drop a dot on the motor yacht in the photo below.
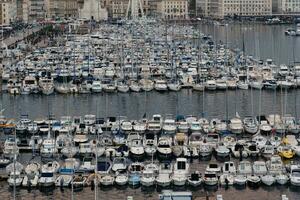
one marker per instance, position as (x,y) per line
(195,179)
(180,172)
(250,125)
(236,125)
(150,143)
(164,150)
(15,179)
(244,168)
(164,178)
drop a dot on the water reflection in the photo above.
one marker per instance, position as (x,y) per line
(135,105)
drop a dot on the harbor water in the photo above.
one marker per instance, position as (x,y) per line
(135,105)
(260,41)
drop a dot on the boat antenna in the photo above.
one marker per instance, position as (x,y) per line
(259,106)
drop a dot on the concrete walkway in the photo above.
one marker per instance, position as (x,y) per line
(19,36)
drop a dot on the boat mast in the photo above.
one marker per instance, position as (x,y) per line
(295,87)
(256,56)
(131,50)
(226,67)
(97,142)
(200,74)
(48,136)
(89,43)
(122,53)
(72,188)
(15,158)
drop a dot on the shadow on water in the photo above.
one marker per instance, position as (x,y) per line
(148,190)
(195,189)
(11,189)
(134,186)
(268,188)
(281,187)
(78,189)
(240,187)
(205,158)
(179,188)
(48,191)
(253,187)
(121,187)
(105,188)
(294,189)
(212,188)
(222,159)
(159,188)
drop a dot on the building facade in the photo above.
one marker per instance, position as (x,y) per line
(19,10)
(223,8)
(118,8)
(62,8)
(275,6)
(152,7)
(289,6)
(36,10)
(92,9)
(25,11)
(201,7)
(173,9)
(8,11)
(71,8)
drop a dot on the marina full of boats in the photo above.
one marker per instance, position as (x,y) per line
(293,32)
(136,57)
(89,151)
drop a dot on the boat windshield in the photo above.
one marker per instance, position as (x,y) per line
(166,166)
(103,166)
(210,175)
(29,82)
(212,137)
(76,121)
(163,146)
(150,136)
(156,118)
(226,167)
(213,166)
(296,174)
(269,148)
(181,165)
(47,174)
(85,145)
(195,138)
(136,168)
(82,126)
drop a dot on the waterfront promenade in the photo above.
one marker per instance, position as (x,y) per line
(19,36)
